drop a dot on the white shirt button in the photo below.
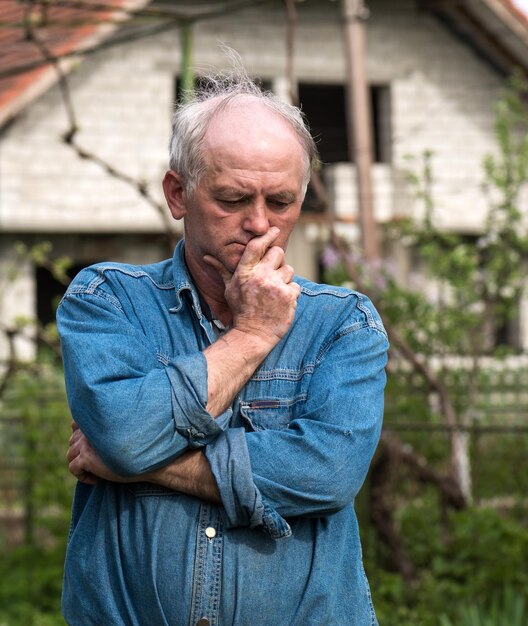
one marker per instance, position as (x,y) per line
(210,532)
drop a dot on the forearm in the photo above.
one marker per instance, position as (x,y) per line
(231,361)
(190,474)
(262,300)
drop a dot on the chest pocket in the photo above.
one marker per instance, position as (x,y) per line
(268,414)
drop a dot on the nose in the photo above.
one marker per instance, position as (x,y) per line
(256,220)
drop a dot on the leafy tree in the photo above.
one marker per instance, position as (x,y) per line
(441,330)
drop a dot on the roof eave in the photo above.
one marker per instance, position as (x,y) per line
(48,75)
(494,28)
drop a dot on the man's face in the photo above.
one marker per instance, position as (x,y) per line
(253,181)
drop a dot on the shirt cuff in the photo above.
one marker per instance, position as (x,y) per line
(188,379)
(243,503)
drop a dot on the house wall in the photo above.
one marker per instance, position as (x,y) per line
(441,99)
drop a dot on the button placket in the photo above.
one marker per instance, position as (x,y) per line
(207,568)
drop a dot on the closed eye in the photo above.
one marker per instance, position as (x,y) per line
(233,202)
(279,205)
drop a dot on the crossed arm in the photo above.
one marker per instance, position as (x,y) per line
(262,300)
(314,467)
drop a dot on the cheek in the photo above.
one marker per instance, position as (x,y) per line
(286,224)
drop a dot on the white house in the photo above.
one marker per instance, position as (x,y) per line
(435,69)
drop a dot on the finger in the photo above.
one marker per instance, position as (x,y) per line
(74,426)
(75,436)
(286,272)
(295,289)
(274,257)
(75,468)
(72,453)
(85,477)
(219,267)
(257,248)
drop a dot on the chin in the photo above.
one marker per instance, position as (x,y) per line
(233,264)
(232,259)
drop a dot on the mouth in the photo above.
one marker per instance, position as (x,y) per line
(238,245)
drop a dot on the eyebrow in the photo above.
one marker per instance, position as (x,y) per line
(228,189)
(281,196)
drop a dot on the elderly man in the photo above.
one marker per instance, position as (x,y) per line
(226,412)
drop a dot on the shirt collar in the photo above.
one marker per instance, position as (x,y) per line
(182,279)
(183,283)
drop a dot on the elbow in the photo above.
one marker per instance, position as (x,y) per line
(128,455)
(339,496)
(326,493)
(342,485)
(123,458)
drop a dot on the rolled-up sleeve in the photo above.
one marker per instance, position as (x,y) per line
(138,410)
(317,465)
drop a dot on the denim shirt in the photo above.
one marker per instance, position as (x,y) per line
(289,457)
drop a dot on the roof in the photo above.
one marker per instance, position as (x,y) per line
(62,27)
(496,29)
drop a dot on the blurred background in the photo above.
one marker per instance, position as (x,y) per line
(420,111)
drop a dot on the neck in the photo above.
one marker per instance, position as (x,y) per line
(211,287)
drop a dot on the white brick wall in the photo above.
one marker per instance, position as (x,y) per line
(441,93)
(441,100)
(123,110)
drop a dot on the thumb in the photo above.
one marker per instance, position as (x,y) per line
(219,267)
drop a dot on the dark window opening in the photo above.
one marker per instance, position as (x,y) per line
(50,291)
(325,108)
(381,122)
(507,334)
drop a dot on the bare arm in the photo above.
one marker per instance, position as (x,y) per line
(262,300)
(190,473)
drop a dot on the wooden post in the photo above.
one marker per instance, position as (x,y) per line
(186,60)
(359,121)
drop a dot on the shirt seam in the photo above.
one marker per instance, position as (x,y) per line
(137,274)
(77,291)
(358,326)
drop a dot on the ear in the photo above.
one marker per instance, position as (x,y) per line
(175,194)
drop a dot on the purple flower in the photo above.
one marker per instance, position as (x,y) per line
(330,258)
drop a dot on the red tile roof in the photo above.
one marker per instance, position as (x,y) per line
(62,26)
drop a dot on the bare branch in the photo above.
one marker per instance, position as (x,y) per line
(291,14)
(70,135)
(139,186)
(50,58)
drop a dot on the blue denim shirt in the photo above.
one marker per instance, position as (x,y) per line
(289,457)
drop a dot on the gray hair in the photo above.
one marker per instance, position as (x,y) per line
(192,118)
